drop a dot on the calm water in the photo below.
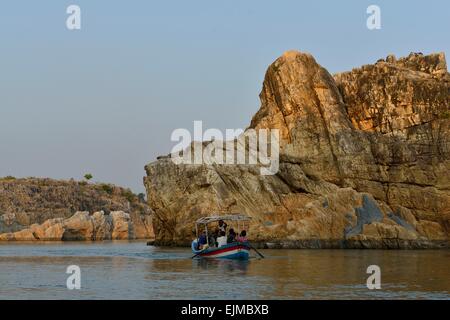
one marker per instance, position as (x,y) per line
(132,270)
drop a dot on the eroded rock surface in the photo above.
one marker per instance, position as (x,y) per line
(46,209)
(82,226)
(364,161)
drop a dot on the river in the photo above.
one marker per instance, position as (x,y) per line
(132,270)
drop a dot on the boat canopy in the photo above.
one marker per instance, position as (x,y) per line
(232,217)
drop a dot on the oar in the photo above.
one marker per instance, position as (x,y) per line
(260,254)
(197,254)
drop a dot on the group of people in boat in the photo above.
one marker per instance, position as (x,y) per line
(220,238)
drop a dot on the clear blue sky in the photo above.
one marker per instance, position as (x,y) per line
(106,98)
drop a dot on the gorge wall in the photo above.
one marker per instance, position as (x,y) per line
(364,161)
(45,209)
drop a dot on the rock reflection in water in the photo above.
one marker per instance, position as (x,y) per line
(132,270)
(221,265)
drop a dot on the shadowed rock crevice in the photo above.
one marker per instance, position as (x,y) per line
(368,213)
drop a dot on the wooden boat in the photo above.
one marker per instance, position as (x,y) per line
(235,250)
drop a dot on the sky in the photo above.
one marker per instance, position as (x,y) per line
(105,99)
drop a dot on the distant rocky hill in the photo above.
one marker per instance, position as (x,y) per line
(364,161)
(46,209)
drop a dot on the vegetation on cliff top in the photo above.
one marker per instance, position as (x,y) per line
(48,198)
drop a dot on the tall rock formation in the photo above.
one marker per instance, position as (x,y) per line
(364,161)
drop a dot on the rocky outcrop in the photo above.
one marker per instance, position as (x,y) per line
(82,226)
(46,209)
(364,161)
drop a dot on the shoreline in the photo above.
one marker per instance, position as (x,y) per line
(383,244)
(143,240)
(389,244)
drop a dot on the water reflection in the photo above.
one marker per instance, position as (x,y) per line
(221,265)
(134,271)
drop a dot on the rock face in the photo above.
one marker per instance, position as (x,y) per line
(45,209)
(364,161)
(81,226)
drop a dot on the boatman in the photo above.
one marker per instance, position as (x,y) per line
(222,226)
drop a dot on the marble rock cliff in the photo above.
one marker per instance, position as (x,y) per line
(364,161)
(45,209)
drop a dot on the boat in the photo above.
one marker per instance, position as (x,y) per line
(235,250)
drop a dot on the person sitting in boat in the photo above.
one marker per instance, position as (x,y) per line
(231,236)
(222,239)
(242,237)
(202,241)
(213,238)
(222,226)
